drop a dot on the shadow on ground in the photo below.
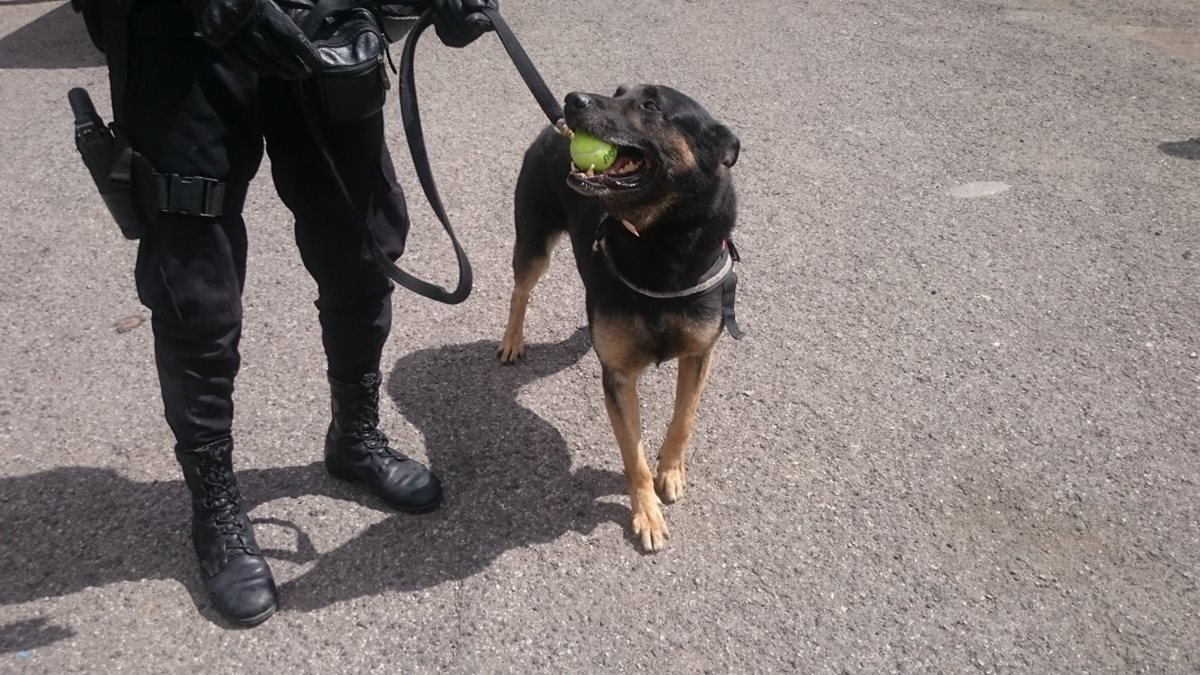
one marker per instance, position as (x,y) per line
(1189,149)
(57,39)
(507,472)
(30,634)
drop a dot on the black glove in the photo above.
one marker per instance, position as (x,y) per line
(459,22)
(259,34)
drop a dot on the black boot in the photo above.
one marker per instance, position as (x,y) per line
(355,449)
(236,575)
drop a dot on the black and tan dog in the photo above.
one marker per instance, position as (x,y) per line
(651,241)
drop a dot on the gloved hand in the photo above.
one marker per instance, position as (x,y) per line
(259,34)
(459,22)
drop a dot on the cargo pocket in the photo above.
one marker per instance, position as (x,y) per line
(190,281)
(389,224)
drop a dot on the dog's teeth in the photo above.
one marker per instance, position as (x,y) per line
(591,172)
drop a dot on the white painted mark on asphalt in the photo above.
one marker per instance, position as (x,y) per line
(985,188)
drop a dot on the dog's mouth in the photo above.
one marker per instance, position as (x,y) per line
(629,171)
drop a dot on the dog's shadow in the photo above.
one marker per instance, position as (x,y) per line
(507,473)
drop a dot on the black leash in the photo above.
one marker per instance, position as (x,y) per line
(411,118)
(533,80)
(416,144)
(410,115)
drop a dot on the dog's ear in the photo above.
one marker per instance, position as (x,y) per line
(726,143)
(622,90)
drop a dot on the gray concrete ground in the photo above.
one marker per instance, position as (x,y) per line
(961,435)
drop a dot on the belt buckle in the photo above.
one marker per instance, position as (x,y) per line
(191,195)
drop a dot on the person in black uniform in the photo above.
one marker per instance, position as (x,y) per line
(205,82)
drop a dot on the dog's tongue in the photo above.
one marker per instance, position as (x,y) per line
(618,166)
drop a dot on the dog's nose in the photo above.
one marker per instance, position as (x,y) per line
(577,101)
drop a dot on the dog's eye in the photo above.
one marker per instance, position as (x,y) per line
(651,106)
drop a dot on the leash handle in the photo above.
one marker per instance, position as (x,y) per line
(529,73)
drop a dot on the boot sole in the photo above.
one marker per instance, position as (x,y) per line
(348,476)
(254,620)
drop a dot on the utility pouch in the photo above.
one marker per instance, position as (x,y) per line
(111,162)
(351,83)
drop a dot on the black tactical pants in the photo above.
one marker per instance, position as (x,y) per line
(193,113)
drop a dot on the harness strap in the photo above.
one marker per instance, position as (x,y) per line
(720,274)
(715,275)
(728,299)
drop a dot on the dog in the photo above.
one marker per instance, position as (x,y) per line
(650,236)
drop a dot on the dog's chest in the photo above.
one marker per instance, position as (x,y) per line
(636,339)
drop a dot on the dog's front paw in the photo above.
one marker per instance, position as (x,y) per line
(511,349)
(670,483)
(649,525)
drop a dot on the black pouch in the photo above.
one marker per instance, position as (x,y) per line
(112,164)
(352,82)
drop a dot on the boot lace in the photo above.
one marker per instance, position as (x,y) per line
(366,423)
(223,501)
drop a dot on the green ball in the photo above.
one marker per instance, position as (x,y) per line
(587,151)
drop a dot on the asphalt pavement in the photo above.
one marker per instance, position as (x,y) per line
(961,434)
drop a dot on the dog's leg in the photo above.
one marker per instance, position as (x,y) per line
(529,264)
(621,401)
(672,472)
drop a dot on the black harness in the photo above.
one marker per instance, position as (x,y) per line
(720,276)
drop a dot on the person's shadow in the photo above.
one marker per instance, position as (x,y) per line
(57,39)
(507,473)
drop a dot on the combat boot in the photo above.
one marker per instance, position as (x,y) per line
(356,450)
(235,574)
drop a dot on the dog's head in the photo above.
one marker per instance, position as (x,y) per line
(669,147)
